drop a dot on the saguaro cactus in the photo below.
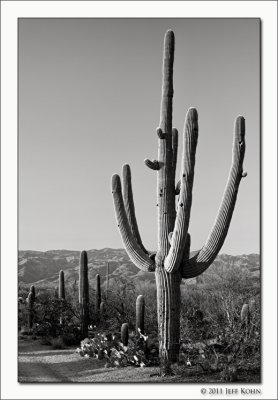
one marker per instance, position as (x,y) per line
(124,334)
(61,285)
(98,293)
(30,306)
(102,309)
(140,314)
(172,261)
(84,294)
(33,291)
(107,279)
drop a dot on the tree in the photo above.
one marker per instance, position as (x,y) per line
(172,263)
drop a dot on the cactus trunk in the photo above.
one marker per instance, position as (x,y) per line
(168,314)
(84,294)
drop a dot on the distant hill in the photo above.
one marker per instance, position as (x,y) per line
(42,268)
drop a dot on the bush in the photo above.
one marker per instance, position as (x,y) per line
(58,343)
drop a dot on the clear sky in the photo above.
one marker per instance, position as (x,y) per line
(89,98)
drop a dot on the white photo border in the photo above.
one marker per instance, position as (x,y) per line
(11,11)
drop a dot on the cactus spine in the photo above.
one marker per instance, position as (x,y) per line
(140,314)
(172,261)
(84,294)
(124,334)
(61,285)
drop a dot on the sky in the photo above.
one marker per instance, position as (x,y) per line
(89,99)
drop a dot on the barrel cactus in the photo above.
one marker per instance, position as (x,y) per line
(84,294)
(172,262)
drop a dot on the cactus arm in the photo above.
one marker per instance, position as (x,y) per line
(134,251)
(190,138)
(129,205)
(154,165)
(203,259)
(160,134)
(165,181)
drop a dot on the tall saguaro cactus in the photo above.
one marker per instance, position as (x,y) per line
(61,285)
(107,279)
(98,293)
(172,261)
(84,294)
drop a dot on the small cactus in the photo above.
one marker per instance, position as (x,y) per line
(84,294)
(124,334)
(61,285)
(140,311)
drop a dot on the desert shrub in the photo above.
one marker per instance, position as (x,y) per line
(119,304)
(212,332)
(53,317)
(58,343)
(46,341)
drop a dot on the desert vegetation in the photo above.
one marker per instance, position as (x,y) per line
(219,327)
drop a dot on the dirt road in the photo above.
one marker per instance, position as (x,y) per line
(40,363)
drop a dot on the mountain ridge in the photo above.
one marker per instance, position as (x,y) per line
(42,267)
